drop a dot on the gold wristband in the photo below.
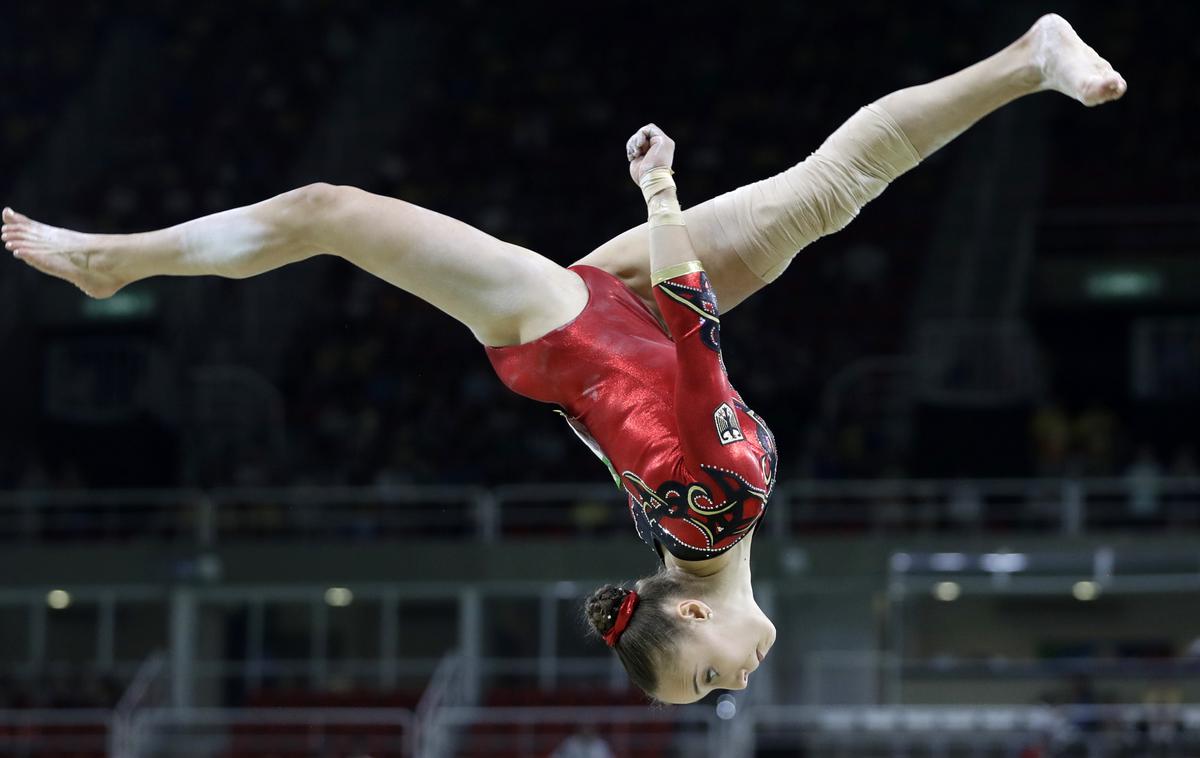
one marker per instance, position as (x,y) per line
(670,272)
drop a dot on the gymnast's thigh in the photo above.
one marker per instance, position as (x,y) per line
(627,257)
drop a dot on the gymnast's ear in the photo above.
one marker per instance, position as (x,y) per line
(693,610)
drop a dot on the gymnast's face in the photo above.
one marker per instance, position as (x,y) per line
(720,649)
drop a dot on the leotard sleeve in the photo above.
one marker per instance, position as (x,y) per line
(706,404)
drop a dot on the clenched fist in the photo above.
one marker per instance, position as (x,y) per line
(649,148)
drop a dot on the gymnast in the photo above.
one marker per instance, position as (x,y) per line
(627,340)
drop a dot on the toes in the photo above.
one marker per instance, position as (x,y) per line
(1110,88)
(21,240)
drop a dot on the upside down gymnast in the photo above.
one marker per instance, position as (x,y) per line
(626,341)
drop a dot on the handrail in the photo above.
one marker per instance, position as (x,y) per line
(864,721)
(310,716)
(150,722)
(205,517)
(412,493)
(45,732)
(570,714)
(55,716)
(792,725)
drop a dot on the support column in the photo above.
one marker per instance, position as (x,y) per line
(765,692)
(183,647)
(547,638)
(37,632)
(319,645)
(470,640)
(389,640)
(256,632)
(106,631)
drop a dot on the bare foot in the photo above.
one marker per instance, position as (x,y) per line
(63,253)
(1069,66)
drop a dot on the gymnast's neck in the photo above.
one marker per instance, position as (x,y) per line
(728,572)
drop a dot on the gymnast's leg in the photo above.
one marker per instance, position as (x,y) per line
(504,293)
(747,237)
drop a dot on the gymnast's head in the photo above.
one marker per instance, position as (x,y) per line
(677,639)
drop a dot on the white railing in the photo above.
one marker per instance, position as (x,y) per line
(952,730)
(172,732)
(385,513)
(833,678)
(1065,505)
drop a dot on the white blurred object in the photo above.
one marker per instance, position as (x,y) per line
(585,744)
(726,707)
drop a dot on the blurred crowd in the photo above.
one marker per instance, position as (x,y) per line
(520,134)
(1157,169)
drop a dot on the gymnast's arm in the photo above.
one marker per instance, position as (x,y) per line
(651,153)
(688,304)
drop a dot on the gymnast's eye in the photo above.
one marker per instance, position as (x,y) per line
(711,676)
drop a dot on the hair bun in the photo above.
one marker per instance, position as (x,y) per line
(602,607)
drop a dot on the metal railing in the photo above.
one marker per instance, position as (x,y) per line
(171,732)
(833,678)
(902,506)
(83,733)
(1069,729)
(535,731)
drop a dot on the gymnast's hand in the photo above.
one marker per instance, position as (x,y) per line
(649,148)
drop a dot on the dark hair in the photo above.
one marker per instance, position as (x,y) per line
(653,633)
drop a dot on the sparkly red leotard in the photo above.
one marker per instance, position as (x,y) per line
(657,407)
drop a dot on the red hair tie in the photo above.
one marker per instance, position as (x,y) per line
(627,605)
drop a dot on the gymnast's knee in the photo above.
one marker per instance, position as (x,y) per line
(315,201)
(305,215)
(775,218)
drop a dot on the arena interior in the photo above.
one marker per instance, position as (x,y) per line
(298,516)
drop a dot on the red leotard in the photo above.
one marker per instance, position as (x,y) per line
(657,407)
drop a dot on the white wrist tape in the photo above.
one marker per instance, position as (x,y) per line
(663,211)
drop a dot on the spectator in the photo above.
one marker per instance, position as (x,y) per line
(1051,432)
(1094,436)
(1184,462)
(1143,478)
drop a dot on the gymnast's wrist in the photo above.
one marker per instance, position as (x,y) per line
(662,201)
(655,181)
(663,210)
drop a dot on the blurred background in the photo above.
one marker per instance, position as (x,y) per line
(298,515)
